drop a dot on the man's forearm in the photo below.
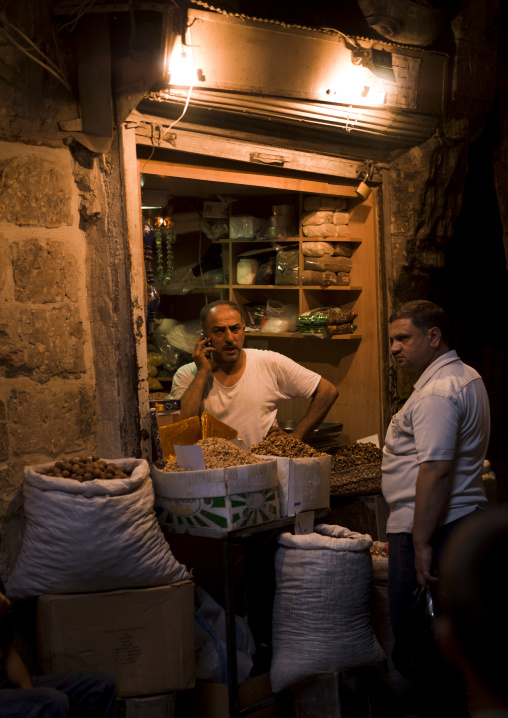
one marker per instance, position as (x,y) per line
(16,670)
(323,398)
(191,399)
(432,494)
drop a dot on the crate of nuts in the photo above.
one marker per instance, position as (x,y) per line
(303,474)
(234,490)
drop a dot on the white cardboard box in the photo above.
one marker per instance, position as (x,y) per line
(144,636)
(218,499)
(303,484)
(161,706)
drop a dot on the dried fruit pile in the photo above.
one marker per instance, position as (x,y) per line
(218,454)
(284,445)
(349,455)
(378,552)
(85,468)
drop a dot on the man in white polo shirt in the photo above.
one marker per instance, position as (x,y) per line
(432,460)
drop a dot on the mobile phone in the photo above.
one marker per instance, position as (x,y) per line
(208,342)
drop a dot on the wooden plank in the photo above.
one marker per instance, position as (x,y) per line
(149,126)
(251,178)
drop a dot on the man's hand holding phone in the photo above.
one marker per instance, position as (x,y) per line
(202,356)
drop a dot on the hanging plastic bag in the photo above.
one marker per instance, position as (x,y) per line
(210,641)
(280,317)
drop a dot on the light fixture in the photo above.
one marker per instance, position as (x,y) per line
(181,68)
(379,62)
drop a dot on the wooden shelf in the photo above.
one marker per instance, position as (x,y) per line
(289,286)
(265,286)
(291,240)
(300,335)
(330,289)
(269,240)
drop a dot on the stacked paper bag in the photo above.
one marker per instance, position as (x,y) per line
(326,263)
(327,321)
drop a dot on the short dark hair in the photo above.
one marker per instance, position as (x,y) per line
(424,315)
(472,593)
(203,314)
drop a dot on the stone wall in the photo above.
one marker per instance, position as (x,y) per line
(47,394)
(68,363)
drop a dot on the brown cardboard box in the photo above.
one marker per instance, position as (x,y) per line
(211,699)
(162,706)
(144,636)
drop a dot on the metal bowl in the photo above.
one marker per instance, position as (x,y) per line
(326,433)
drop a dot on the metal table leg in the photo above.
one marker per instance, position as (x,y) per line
(229,601)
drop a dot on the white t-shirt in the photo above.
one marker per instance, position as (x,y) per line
(446,418)
(250,406)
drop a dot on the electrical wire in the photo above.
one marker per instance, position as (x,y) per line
(47,67)
(81,10)
(32,44)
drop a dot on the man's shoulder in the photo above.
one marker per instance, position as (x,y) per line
(451,381)
(267,357)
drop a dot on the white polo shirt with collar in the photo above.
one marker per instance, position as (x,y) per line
(446,418)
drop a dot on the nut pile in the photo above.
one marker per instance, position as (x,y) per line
(379,552)
(218,454)
(284,445)
(349,455)
(85,468)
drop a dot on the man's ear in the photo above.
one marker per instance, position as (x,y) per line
(434,335)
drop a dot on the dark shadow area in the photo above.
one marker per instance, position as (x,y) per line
(474,289)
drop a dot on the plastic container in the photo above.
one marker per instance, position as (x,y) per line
(246,270)
(283,210)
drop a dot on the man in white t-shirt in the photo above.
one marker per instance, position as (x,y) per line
(243,387)
(432,476)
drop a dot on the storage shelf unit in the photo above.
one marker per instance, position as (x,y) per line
(351,362)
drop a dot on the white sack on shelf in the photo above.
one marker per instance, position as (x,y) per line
(342,250)
(326,230)
(322,607)
(317,249)
(93,536)
(319,217)
(341,218)
(317,202)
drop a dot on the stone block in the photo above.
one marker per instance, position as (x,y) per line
(42,342)
(5,270)
(55,420)
(4,441)
(44,272)
(35,192)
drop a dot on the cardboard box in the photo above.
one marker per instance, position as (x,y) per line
(162,706)
(218,499)
(211,699)
(215,210)
(144,636)
(303,484)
